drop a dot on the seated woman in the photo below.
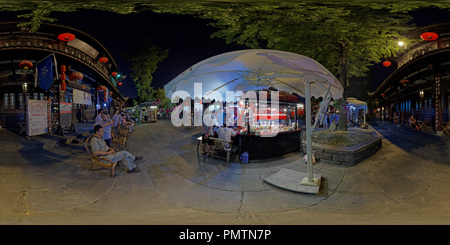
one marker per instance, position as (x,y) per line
(412,122)
(127,123)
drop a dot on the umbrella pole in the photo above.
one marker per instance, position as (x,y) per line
(309,180)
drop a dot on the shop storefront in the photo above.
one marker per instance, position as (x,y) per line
(420,86)
(63,67)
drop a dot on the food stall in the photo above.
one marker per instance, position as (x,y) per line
(153,114)
(357,109)
(268,132)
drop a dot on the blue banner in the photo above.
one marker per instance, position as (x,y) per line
(45,72)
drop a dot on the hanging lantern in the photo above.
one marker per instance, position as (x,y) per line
(404,82)
(63,86)
(76,76)
(387,63)
(120,83)
(103,60)
(429,36)
(383,94)
(63,77)
(62,68)
(114,74)
(101,88)
(25,64)
(66,37)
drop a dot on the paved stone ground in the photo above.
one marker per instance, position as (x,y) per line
(42,182)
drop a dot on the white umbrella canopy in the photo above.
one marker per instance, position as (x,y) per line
(357,103)
(252,70)
(258,69)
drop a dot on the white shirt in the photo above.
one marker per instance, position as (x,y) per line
(226,134)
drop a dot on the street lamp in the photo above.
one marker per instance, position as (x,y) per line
(401,43)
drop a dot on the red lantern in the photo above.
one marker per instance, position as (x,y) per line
(63,77)
(387,63)
(62,68)
(66,37)
(63,86)
(103,60)
(114,74)
(383,94)
(120,83)
(25,64)
(76,76)
(404,82)
(101,87)
(429,36)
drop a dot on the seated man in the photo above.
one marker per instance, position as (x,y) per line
(99,148)
(225,133)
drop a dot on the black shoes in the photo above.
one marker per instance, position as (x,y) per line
(134,170)
(138,159)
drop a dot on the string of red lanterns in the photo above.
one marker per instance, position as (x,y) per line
(63,77)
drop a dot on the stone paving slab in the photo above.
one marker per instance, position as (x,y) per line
(176,185)
(291,180)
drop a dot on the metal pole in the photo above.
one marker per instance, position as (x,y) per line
(308,132)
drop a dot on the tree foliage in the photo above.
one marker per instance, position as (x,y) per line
(144,60)
(346,39)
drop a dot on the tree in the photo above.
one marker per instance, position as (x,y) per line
(346,39)
(144,60)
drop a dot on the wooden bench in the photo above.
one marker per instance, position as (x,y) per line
(100,162)
(119,139)
(218,145)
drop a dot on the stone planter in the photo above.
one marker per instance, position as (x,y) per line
(347,156)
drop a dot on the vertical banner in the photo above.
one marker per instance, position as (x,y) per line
(45,72)
(437,103)
(65,110)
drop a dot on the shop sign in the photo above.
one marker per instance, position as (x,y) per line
(23,71)
(37,117)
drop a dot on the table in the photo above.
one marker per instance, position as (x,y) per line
(446,127)
(423,125)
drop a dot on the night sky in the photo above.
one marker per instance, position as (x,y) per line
(187,38)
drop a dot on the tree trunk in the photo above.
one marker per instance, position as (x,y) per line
(343,79)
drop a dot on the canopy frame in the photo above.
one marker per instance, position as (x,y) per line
(309,180)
